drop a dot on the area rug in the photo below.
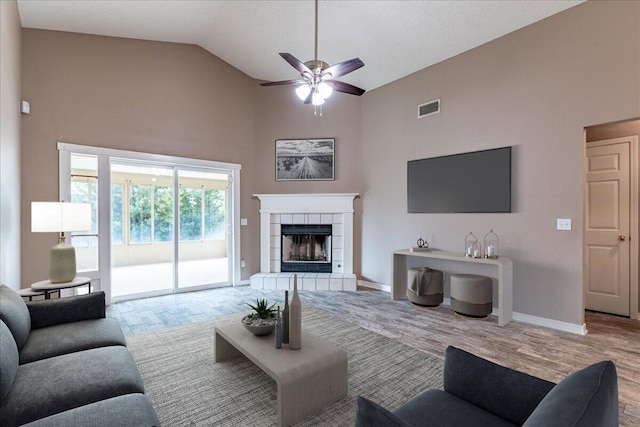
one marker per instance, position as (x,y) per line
(187,388)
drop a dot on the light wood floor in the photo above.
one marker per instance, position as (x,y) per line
(539,351)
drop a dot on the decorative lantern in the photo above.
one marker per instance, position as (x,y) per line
(472,248)
(491,245)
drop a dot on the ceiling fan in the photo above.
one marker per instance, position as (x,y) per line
(318,78)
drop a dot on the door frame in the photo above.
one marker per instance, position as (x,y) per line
(104,156)
(634,218)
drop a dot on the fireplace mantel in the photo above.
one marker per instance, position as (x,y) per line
(332,208)
(306,203)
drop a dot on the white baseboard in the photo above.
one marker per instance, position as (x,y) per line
(376,286)
(550,323)
(539,321)
(246,282)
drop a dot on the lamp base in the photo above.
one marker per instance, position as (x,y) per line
(62,263)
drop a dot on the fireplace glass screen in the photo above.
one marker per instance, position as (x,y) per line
(306,248)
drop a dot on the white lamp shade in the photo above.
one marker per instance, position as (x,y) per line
(50,217)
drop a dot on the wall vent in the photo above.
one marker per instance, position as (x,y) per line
(429,108)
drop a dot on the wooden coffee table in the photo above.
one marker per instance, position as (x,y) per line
(308,379)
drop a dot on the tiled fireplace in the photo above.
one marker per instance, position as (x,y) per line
(318,242)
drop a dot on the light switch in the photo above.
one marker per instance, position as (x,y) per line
(243,221)
(563,224)
(243,263)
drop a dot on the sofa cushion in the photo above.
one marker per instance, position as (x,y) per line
(69,337)
(505,392)
(370,414)
(588,397)
(14,313)
(442,409)
(8,360)
(61,383)
(65,310)
(123,411)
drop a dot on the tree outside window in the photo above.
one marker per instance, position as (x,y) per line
(214,214)
(139,213)
(190,214)
(162,214)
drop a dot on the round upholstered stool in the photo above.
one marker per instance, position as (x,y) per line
(471,295)
(424,286)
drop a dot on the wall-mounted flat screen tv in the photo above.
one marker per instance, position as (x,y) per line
(477,182)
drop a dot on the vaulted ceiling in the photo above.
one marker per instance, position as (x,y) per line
(393,38)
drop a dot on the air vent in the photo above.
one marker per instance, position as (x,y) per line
(431,107)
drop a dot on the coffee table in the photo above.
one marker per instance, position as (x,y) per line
(307,379)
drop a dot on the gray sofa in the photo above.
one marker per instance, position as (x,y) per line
(63,363)
(479,393)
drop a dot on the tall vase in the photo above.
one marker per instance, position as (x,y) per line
(278,330)
(285,319)
(295,318)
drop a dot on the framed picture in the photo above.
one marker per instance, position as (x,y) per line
(305,159)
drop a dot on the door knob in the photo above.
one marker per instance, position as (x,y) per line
(622,238)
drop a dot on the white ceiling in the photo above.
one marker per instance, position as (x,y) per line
(393,38)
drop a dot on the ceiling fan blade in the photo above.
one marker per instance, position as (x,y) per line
(345,87)
(296,63)
(342,68)
(283,82)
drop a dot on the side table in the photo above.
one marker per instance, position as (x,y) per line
(49,288)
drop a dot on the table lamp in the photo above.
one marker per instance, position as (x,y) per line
(49,217)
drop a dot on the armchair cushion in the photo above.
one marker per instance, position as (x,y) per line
(439,408)
(588,397)
(71,337)
(8,360)
(370,414)
(66,310)
(507,393)
(14,313)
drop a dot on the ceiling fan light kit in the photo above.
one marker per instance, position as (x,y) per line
(317,83)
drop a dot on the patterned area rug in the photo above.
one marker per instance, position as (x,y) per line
(187,388)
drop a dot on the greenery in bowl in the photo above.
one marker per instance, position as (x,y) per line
(262,320)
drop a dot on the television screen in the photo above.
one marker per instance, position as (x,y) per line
(478,182)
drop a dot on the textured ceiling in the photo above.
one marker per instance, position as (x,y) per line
(393,38)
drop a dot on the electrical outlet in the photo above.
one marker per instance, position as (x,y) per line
(563,224)
(243,264)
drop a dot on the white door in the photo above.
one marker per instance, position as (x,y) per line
(607,226)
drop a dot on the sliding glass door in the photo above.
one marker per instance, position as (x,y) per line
(161,224)
(142,249)
(203,242)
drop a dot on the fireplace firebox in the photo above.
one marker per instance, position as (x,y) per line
(306,248)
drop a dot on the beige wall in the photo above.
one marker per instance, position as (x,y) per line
(127,94)
(10,144)
(536,90)
(281,115)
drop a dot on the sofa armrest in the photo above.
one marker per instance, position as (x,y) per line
(505,392)
(66,310)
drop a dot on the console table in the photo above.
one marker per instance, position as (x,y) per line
(400,264)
